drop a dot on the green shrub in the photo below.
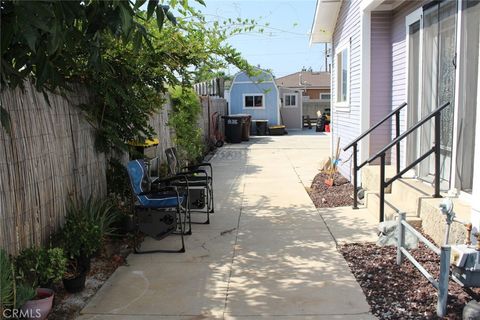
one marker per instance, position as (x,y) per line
(86,225)
(12,294)
(79,236)
(40,266)
(184,119)
(6,281)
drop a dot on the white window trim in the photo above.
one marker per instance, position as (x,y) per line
(254,95)
(285,100)
(342,106)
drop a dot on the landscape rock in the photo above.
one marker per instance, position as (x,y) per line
(388,235)
(471,311)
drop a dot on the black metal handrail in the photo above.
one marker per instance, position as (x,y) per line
(435,149)
(354,144)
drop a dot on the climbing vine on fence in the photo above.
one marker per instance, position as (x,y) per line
(127,57)
(186,109)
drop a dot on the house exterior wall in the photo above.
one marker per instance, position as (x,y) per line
(346,123)
(380,79)
(242,85)
(399,64)
(291,116)
(315,93)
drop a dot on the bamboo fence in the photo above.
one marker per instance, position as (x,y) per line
(49,157)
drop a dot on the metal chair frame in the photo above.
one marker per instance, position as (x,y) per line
(197,179)
(160,186)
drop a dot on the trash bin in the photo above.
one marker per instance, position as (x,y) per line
(143,149)
(261,127)
(233,128)
(246,124)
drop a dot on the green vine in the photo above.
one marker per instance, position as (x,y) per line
(124,56)
(186,109)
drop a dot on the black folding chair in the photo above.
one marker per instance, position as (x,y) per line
(160,211)
(199,183)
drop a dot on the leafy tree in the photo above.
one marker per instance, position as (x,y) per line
(125,57)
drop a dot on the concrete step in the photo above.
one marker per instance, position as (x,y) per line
(410,192)
(434,222)
(391,209)
(371,177)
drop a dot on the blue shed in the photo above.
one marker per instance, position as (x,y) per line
(257,95)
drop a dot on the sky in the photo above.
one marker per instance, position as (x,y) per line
(284,46)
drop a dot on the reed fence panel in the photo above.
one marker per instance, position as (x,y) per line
(48,157)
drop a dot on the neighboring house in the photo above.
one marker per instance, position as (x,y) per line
(424,53)
(315,89)
(257,96)
(291,108)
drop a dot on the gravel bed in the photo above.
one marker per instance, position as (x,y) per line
(338,195)
(401,292)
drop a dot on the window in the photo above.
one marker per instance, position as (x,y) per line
(342,83)
(325,96)
(290,100)
(253,101)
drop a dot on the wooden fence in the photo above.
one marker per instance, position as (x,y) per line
(49,156)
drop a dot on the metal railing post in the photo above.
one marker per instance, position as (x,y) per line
(382,187)
(355,182)
(437,155)
(443,281)
(397,131)
(400,237)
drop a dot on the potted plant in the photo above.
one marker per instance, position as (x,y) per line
(74,277)
(41,267)
(38,306)
(15,295)
(85,227)
(81,235)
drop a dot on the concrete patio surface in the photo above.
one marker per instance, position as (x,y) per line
(267,254)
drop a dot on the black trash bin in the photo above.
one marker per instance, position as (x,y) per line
(233,128)
(261,127)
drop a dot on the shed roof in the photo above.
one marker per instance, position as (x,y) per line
(304,79)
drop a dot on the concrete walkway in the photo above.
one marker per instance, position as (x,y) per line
(266,254)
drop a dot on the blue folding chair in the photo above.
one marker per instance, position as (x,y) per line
(158,211)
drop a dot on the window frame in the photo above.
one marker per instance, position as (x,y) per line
(285,100)
(323,99)
(342,105)
(253,95)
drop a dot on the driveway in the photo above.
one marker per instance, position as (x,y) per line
(266,254)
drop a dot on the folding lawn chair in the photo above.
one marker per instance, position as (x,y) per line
(159,211)
(199,183)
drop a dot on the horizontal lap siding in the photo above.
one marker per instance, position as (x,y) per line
(346,125)
(380,79)
(399,63)
(269,89)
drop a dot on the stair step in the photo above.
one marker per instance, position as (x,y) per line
(434,222)
(371,177)
(410,192)
(391,209)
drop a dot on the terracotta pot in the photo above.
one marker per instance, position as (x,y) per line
(329,182)
(39,308)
